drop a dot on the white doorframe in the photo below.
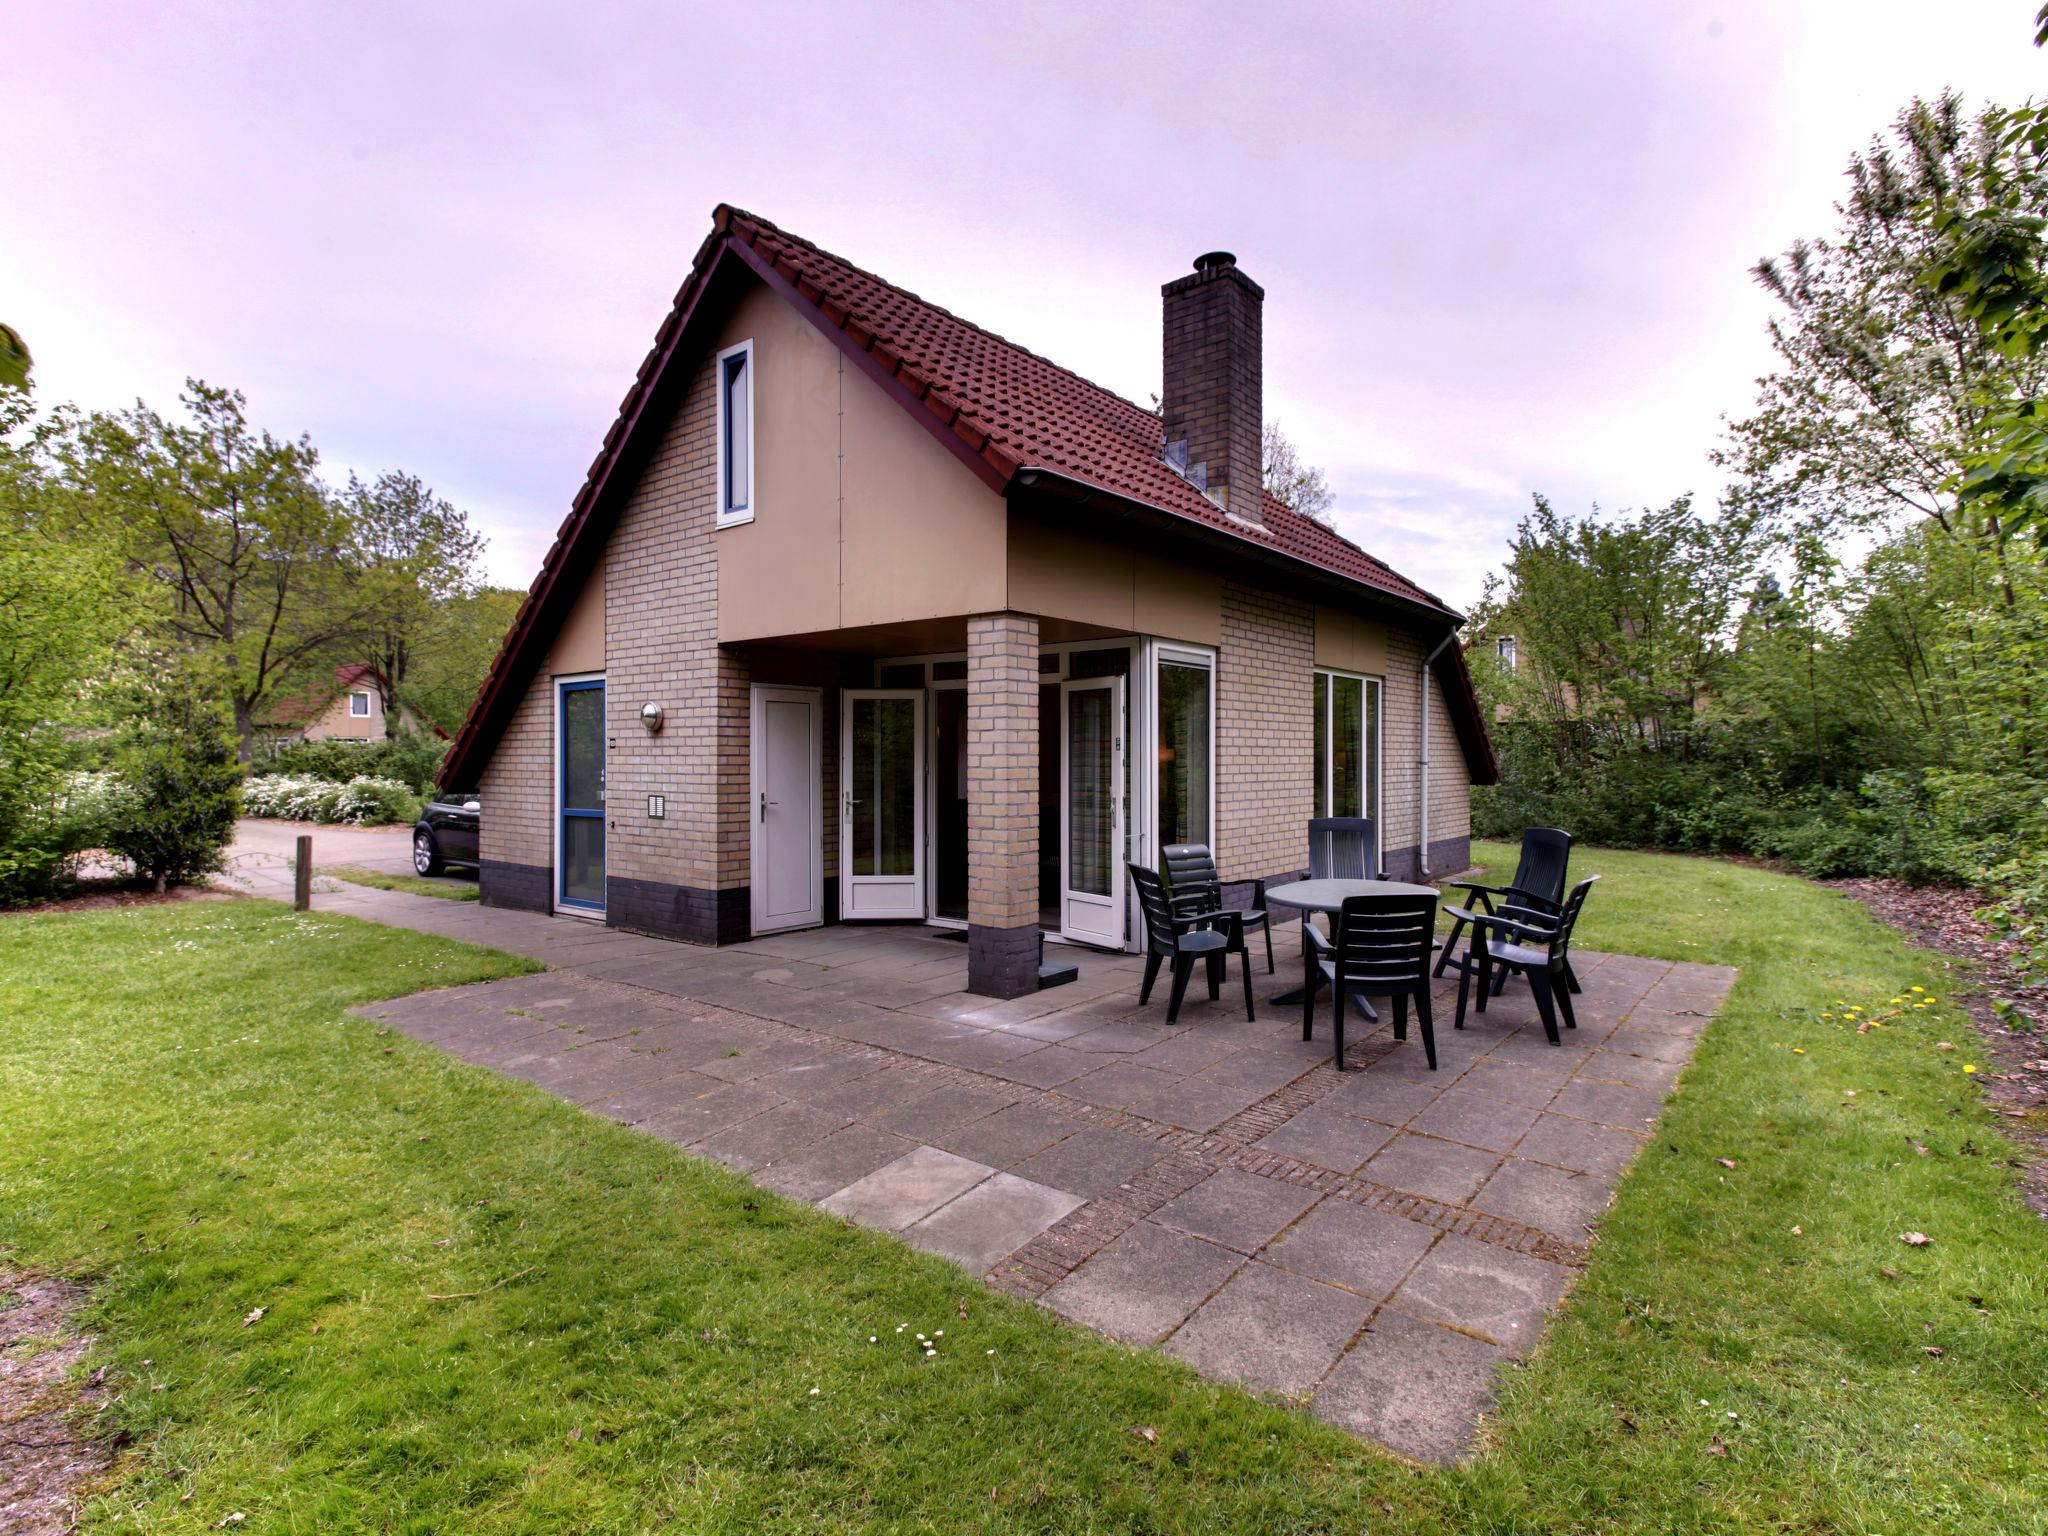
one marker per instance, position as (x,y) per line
(587,911)
(878,896)
(1093,917)
(777,818)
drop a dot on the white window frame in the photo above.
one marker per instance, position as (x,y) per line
(353,712)
(729,517)
(1504,647)
(1372,725)
(1204,657)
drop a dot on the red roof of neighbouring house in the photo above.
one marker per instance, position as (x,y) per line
(307,705)
(1002,409)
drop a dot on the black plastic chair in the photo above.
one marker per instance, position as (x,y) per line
(1378,945)
(1208,936)
(1343,848)
(1537,891)
(1538,948)
(1195,888)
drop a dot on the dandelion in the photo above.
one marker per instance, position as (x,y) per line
(1798,1050)
(1898,999)
(1970,1066)
(1827,1015)
(1916,989)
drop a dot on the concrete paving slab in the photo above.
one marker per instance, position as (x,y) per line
(1423,1165)
(1612,1104)
(1553,1200)
(1236,1209)
(843,1158)
(1363,1250)
(1479,1288)
(1092,1162)
(991,1221)
(910,1187)
(1328,1139)
(1144,1284)
(1010,1135)
(1269,1330)
(1413,1386)
(1579,1145)
(1476,1120)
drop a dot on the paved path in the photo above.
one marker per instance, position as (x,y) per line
(259,860)
(1374,1243)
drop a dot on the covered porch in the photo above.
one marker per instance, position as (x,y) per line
(991,775)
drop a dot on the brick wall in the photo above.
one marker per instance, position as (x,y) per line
(1002,804)
(1265,732)
(517,790)
(1213,390)
(1450,785)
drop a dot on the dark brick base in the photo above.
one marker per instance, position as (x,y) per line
(1002,962)
(525,886)
(1447,856)
(679,911)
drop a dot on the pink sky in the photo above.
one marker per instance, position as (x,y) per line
(1505,247)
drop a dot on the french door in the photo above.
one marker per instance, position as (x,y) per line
(579,822)
(1092,810)
(787,880)
(881,803)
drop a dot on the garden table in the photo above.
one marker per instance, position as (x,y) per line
(1328,896)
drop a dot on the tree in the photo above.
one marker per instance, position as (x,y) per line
(419,555)
(15,362)
(1883,378)
(466,634)
(1301,486)
(253,555)
(181,785)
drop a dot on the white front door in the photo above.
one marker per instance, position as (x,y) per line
(881,803)
(1092,810)
(787,878)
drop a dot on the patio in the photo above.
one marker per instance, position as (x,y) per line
(1374,1242)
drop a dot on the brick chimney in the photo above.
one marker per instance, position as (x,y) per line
(1214,395)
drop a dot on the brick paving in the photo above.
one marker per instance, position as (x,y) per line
(1373,1243)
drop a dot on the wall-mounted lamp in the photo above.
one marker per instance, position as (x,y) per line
(650,716)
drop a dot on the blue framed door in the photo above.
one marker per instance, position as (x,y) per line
(579,866)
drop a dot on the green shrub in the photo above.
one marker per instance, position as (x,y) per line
(411,757)
(175,754)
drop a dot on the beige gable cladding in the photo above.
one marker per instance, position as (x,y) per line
(1063,573)
(860,517)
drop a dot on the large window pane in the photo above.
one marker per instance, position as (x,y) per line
(884,786)
(1090,814)
(1322,800)
(1372,748)
(583,749)
(1184,743)
(1347,746)
(583,859)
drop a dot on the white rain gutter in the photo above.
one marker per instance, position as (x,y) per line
(1422,852)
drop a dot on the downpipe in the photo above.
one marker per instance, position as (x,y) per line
(1422,810)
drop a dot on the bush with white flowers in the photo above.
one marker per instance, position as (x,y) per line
(363,801)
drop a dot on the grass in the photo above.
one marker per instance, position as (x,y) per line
(193,1124)
(414,885)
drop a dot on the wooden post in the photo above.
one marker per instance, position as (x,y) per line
(302,874)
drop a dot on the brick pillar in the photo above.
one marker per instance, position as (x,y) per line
(1002,804)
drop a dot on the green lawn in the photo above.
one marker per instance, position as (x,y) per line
(190,1122)
(448,887)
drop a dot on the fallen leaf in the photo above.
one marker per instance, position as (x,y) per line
(1718,1448)
(1935,1350)
(226,1520)
(1918,1146)
(962,1308)
(1915,1239)
(1889,1274)
(255,1316)
(1799,1231)
(1725,1162)
(1149,1436)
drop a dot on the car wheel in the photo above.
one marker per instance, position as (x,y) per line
(426,853)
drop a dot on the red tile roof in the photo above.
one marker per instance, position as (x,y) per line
(1000,407)
(313,700)
(1019,411)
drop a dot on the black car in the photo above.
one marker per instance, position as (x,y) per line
(447,834)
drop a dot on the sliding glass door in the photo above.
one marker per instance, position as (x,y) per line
(1185,710)
(1092,801)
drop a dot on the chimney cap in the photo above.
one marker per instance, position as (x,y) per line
(1215,261)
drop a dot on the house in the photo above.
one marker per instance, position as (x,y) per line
(864,613)
(346,705)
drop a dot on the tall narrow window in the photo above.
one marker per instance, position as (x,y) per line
(736,434)
(1185,747)
(359,705)
(1347,745)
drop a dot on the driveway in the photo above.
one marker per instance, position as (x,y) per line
(260,858)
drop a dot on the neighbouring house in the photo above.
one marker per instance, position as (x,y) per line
(864,613)
(347,705)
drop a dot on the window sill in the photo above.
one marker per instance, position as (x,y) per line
(738,521)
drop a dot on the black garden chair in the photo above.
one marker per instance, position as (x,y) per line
(1380,946)
(1539,948)
(1536,892)
(1209,936)
(1343,848)
(1196,889)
